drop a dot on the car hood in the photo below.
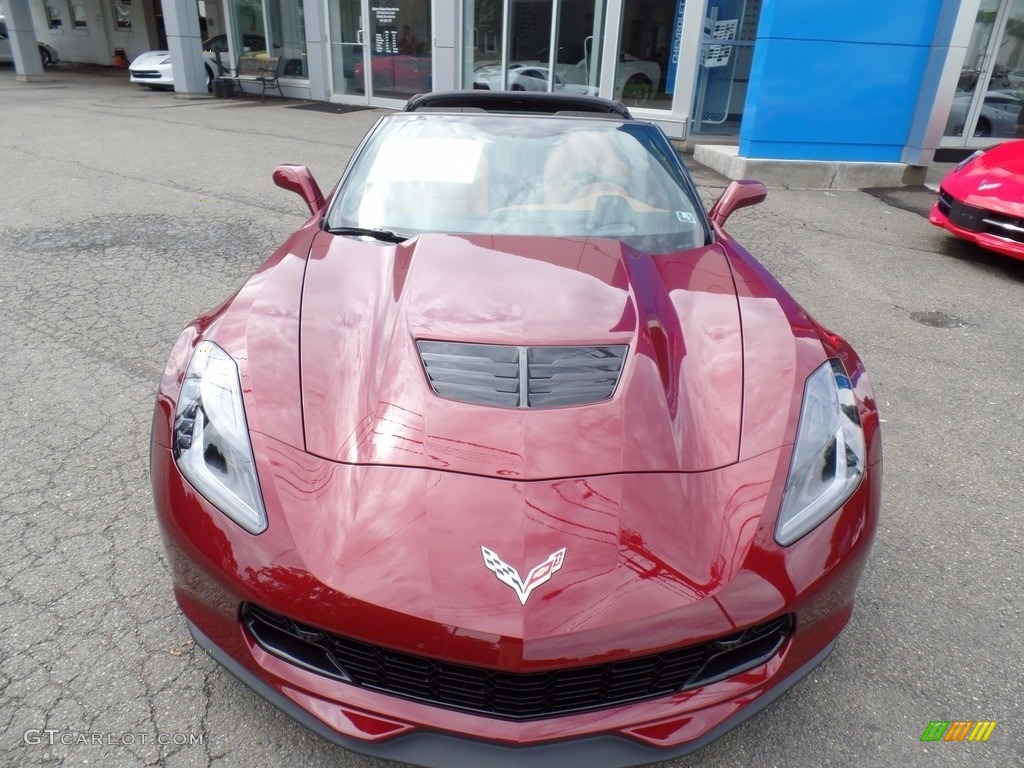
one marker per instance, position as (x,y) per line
(151,59)
(993,180)
(154,58)
(367,400)
(442,552)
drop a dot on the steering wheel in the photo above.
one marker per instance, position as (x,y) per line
(586,181)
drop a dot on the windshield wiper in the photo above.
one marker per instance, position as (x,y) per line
(384,235)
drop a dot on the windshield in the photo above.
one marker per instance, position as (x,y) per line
(521,175)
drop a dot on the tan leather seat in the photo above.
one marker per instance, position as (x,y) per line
(580,167)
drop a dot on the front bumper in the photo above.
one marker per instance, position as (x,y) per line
(443,750)
(988,229)
(150,77)
(217,568)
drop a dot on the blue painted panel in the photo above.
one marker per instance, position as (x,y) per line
(865,21)
(818,94)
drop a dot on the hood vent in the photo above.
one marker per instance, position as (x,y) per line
(522,377)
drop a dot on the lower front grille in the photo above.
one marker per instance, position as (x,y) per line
(945,202)
(1006,227)
(975,219)
(509,695)
(960,214)
(147,74)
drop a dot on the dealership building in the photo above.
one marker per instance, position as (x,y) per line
(851,83)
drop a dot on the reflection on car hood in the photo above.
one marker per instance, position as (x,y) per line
(366,398)
(632,568)
(993,181)
(153,58)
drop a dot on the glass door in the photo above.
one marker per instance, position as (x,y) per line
(988,106)
(401,64)
(347,44)
(380,52)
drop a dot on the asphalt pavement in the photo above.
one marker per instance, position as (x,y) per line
(126,212)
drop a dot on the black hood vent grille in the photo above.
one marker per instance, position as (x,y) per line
(522,377)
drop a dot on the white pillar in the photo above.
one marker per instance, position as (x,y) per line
(443,26)
(184,40)
(317,44)
(24,47)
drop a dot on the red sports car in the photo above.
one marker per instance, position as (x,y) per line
(400,71)
(511,455)
(982,200)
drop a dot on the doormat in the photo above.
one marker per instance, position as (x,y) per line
(326,106)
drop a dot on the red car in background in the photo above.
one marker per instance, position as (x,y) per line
(982,200)
(406,73)
(511,455)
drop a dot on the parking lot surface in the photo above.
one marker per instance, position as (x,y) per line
(126,212)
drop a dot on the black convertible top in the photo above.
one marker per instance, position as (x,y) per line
(517,102)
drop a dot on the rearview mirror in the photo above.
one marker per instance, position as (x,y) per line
(739,194)
(298,179)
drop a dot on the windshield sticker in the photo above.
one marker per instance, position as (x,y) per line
(686,217)
(439,160)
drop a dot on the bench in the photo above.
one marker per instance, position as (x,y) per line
(256,69)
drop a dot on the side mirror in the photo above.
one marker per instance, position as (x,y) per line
(739,194)
(298,179)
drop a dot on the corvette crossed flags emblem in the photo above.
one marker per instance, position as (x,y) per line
(523,587)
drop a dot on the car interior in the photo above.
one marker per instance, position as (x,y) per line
(569,178)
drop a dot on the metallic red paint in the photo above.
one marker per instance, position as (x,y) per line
(992,181)
(366,304)
(410,74)
(410,577)
(378,500)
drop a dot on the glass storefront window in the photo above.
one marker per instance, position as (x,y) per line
(730,28)
(529,31)
(641,72)
(553,45)
(248,32)
(79,19)
(580,35)
(288,36)
(346,25)
(651,60)
(401,64)
(482,23)
(122,14)
(395,39)
(54,17)
(989,99)
(558,45)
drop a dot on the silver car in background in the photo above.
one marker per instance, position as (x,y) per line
(999,118)
(47,53)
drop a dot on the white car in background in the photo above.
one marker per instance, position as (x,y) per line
(47,53)
(153,68)
(526,77)
(636,80)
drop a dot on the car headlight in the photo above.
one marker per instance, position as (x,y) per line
(967,160)
(828,457)
(211,439)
